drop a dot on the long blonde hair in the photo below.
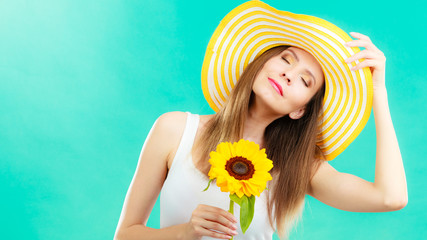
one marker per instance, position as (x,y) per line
(290,144)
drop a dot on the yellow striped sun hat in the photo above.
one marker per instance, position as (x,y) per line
(254,27)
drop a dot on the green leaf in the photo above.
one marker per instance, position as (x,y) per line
(247,212)
(209,183)
(236,199)
(247,205)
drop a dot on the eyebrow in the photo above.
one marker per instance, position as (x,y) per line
(308,71)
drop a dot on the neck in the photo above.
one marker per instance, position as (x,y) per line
(258,118)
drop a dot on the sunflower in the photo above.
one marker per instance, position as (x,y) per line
(240,168)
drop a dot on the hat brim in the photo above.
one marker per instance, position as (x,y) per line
(254,27)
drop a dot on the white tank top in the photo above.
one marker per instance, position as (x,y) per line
(183,188)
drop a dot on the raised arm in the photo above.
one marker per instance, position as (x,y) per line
(389,191)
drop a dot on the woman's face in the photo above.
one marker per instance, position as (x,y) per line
(288,81)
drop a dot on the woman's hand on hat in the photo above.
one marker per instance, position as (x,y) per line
(373,58)
(212,222)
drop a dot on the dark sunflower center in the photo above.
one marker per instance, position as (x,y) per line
(240,168)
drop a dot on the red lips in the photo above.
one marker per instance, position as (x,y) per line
(276,86)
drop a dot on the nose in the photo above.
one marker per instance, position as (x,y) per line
(286,78)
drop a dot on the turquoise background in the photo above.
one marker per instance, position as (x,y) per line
(82,82)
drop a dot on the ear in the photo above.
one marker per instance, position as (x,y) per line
(297,114)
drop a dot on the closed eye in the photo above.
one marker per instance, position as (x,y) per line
(285,60)
(305,83)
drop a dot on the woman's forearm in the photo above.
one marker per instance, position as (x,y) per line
(389,171)
(141,232)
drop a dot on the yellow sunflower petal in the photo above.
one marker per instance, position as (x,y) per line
(224,188)
(239,147)
(237,186)
(251,146)
(254,182)
(260,154)
(216,171)
(239,193)
(250,153)
(233,149)
(224,149)
(248,191)
(263,166)
(217,159)
(251,189)
(221,180)
(262,176)
(211,174)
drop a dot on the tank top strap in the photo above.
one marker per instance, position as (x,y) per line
(187,140)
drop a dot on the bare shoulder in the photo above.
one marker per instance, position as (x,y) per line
(172,123)
(171,126)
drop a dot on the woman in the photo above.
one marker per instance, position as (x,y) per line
(277,103)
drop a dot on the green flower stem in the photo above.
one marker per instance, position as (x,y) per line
(231,210)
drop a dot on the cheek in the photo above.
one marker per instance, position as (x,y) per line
(301,97)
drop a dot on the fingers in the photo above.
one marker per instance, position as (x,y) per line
(359,55)
(362,43)
(214,222)
(366,63)
(218,211)
(372,56)
(360,36)
(200,231)
(218,227)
